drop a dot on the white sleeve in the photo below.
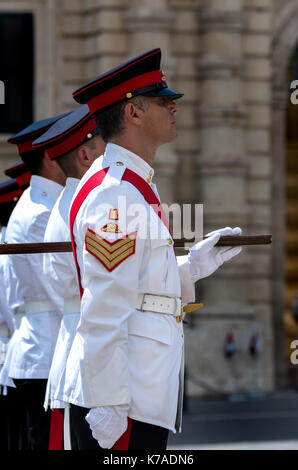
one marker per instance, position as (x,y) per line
(5,311)
(36,235)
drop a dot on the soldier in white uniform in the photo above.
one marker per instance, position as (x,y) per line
(124,372)
(74,143)
(10,417)
(31,299)
(15,432)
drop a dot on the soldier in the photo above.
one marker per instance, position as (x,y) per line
(74,143)
(10,416)
(124,373)
(34,304)
(15,432)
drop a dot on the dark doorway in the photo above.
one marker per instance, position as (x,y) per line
(16,71)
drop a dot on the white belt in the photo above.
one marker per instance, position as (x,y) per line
(159,304)
(39,306)
(72,305)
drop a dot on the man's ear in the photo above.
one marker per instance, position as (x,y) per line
(48,162)
(82,154)
(132,113)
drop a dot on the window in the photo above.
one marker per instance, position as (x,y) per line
(16,71)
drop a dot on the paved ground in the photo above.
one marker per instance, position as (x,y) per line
(240,422)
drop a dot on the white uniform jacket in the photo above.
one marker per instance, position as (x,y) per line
(121,355)
(60,271)
(29,295)
(6,319)
(7,323)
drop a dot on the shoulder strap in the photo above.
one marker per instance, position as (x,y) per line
(147,192)
(96,180)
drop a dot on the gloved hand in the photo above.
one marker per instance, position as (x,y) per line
(205,258)
(107,424)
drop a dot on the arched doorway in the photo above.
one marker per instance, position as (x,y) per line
(291,204)
(284,200)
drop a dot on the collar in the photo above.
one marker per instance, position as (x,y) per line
(115,153)
(72,183)
(50,187)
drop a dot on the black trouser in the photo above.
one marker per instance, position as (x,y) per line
(37,419)
(13,420)
(143,436)
(3,422)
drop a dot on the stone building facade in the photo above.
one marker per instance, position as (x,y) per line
(230,58)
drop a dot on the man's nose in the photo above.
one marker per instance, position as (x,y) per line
(173,107)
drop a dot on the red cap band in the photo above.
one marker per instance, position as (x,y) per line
(25,146)
(118,93)
(23,179)
(10,196)
(71,142)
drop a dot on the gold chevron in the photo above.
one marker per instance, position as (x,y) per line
(110,254)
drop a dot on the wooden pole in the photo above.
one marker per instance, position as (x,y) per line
(64,247)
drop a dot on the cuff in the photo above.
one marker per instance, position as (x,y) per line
(186,279)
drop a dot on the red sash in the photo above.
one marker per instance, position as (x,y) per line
(95,180)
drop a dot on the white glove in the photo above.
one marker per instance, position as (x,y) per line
(205,258)
(107,424)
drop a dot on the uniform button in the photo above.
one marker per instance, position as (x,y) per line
(148,179)
(150,173)
(44,193)
(170,241)
(119,164)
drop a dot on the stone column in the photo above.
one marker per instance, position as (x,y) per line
(261,183)
(223,163)
(149,25)
(222,186)
(105,36)
(185,47)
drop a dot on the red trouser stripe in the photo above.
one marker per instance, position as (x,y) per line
(123,441)
(56,430)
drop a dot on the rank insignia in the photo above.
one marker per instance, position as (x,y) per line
(111,227)
(113,214)
(110,254)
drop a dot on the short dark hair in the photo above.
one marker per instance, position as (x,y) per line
(34,161)
(67,164)
(110,121)
(67,161)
